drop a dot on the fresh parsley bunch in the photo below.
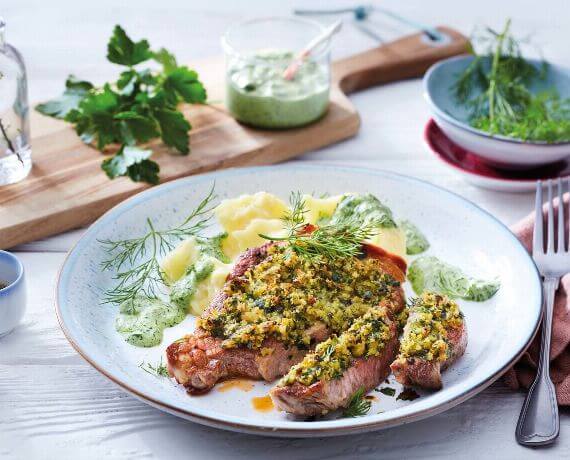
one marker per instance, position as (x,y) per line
(140,106)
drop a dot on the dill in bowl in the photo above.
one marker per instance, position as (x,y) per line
(507,94)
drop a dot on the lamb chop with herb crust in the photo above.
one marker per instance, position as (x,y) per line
(284,297)
(275,307)
(357,360)
(434,337)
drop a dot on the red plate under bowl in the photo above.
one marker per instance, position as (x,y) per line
(480,173)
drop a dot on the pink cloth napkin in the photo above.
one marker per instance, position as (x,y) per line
(521,375)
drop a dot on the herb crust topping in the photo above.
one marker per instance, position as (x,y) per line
(286,295)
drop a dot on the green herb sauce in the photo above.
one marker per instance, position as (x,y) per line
(428,273)
(258,95)
(182,291)
(366,209)
(213,247)
(142,320)
(416,242)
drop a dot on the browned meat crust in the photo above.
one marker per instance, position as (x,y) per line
(391,263)
(198,362)
(324,396)
(427,374)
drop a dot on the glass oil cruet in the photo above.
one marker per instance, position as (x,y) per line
(15,152)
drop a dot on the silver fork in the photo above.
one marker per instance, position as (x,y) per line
(538,423)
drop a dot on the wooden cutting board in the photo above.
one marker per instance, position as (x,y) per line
(67,189)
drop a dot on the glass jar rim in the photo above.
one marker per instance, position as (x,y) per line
(230,49)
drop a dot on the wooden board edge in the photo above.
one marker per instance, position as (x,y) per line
(60,222)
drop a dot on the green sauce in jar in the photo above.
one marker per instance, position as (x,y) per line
(258,95)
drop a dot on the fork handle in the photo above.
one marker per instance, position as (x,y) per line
(539,423)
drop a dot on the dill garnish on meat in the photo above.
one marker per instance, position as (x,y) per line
(341,239)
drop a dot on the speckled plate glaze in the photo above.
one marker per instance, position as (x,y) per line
(459,232)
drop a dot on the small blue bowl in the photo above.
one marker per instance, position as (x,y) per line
(453,118)
(13,296)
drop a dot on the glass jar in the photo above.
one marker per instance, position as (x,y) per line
(257,53)
(15,152)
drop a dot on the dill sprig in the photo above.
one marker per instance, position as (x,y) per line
(341,239)
(158,370)
(136,262)
(496,88)
(357,405)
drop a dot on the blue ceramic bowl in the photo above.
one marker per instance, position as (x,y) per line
(453,118)
(12,297)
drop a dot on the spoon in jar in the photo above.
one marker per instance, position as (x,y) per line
(291,70)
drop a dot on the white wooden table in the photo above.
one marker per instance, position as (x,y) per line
(53,405)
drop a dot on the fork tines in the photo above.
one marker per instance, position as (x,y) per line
(553,245)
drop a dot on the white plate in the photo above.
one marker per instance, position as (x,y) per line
(459,232)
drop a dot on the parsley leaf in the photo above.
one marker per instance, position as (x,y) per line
(183,83)
(127,81)
(174,129)
(145,171)
(137,127)
(75,91)
(166,58)
(408,394)
(123,51)
(94,118)
(132,162)
(388,391)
